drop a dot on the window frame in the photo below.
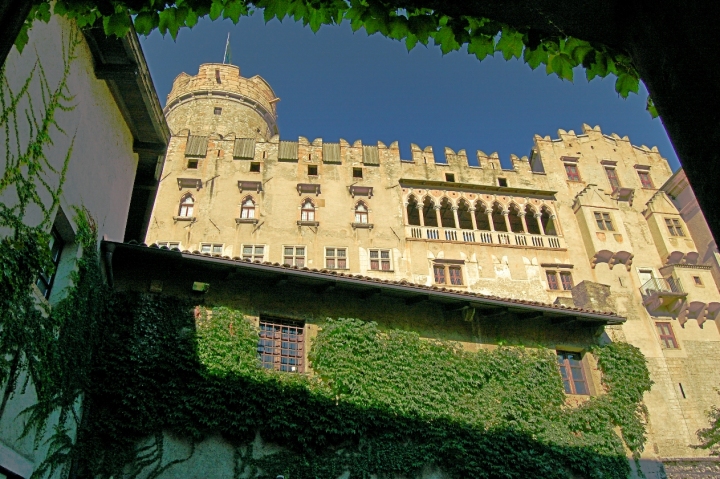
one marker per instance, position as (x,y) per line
(311,168)
(645,179)
(614,177)
(667,338)
(307,214)
(674,227)
(253,255)
(572,176)
(380,260)
(357,170)
(254,167)
(272,332)
(217,110)
(335,258)
(569,381)
(187,208)
(168,243)
(361,215)
(448,274)
(294,256)
(552,280)
(247,212)
(604,221)
(213,247)
(450,177)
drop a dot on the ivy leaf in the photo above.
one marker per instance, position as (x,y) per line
(117,24)
(216,9)
(626,83)
(510,44)
(445,37)
(650,107)
(562,65)
(145,22)
(535,57)
(481,46)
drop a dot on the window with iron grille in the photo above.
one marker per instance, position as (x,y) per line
(294,255)
(674,227)
(645,179)
(573,375)
(253,252)
(46,279)
(380,260)
(214,248)
(336,258)
(572,172)
(612,178)
(604,222)
(667,337)
(281,346)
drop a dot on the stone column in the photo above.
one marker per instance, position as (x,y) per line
(521,214)
(472,218)
(455,216)
(490,220)
(506,217)
(437,215)
(421,214)
(538,217)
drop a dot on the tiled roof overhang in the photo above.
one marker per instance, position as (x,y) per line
(410,292)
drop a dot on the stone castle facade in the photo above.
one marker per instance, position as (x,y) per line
(584,207)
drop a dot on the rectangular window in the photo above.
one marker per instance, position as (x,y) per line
(455,275)
(168,244)
(336,258)
(218,110)
(612,178)
(572,172)
(674,227)
(357,173)
(439,272)
(450,177)
(294,256)
(192,163)
(697,280)
(254,167)
(552,280)
(566,280)
(214,248)
(645,179)
(312,170)
(253,252)
(45,280)
(380,260)
(604,222)
(667,337)
(281,345)
(502,181)
(572,373)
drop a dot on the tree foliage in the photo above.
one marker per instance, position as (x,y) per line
(560,54)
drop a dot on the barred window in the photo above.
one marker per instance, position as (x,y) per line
(253,252)
(573,375)
(294,255)
(380,260)
(281,346)
(336,258)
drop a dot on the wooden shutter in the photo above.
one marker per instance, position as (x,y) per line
(244,148)
(331,153)
(370,155)
(196,145)
(288,151)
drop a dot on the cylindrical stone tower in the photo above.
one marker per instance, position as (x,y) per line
(218,100)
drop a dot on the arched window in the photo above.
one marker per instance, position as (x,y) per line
(248,208)
(447,219)
(361,213)
(532,222)
(498,218)
(464,216)
(413,213)
(307,213)
(187,204)
(428,211)
(481,217)
(516,225)
(547,222)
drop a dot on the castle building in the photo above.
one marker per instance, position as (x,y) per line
(584,222)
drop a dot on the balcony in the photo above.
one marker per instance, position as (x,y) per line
(660,293)
(498,238)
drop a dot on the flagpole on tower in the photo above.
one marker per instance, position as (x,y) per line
(226,58)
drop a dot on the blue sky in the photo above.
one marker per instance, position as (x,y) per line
(339,84)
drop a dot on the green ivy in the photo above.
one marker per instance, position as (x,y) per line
(378,402)
(558,52)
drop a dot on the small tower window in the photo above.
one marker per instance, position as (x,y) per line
(217,76)
(248,208)
(312,170)
(254,167)
(450,177)
(192,163)
(218,110)
(187,204)
(357,173)
(502,181)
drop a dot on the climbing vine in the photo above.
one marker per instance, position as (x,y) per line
(560,53)
(379,402)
